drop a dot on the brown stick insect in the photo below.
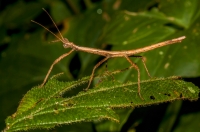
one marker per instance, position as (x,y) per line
(107,54)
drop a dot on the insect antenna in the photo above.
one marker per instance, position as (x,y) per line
(61,39)
(47,30)
(54,23)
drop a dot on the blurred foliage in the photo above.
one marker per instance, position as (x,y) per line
(26,53)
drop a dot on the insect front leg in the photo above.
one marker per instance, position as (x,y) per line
(52,65)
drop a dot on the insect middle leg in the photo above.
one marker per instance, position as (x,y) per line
(92,75)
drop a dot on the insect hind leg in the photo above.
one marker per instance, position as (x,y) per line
(143,61)
(138,70)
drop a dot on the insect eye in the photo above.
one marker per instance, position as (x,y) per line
(65,45)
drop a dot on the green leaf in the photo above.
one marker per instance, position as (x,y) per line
(107,125)
(56,8)
(170,116)
(188,122)
(48,107)
(14,15)
(136,29)
(188,11)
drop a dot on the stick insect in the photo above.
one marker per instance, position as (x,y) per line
(107,54)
